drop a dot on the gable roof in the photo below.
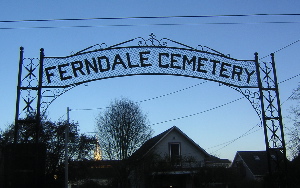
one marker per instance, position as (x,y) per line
(151,143)
(256,161)
(215,160)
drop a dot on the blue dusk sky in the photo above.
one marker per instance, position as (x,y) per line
(265,27)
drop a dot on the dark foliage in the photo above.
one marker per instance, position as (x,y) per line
(52,136)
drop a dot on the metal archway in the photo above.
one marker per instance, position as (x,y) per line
(46,78)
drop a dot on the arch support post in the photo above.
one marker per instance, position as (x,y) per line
(27,115)
(272,122)
(27,146)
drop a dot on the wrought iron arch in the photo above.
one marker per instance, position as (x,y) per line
(46,78)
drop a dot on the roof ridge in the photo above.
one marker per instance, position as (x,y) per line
(152,142)
(191,140)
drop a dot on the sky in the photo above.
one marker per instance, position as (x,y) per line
(222,131)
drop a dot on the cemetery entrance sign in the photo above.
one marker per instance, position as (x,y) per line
(41,80)
(108,63)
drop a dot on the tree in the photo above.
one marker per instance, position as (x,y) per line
(294,132)
(123,128)
(80,146)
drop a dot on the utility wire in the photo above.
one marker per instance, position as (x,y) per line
(229,142)
(281,48)
(146,17)
(246,133)
(289,78)
(86,109)
(216,107)
(234,139)
(206,81)
(157,24)
(177,91)
(295,91)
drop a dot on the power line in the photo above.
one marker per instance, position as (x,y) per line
(232,141)
(246,133)
(146,17)
(206,81)
(86,109)
(177,91)
(216,107)
(207,109)
(291,96)
(157,24)
(281,48)
(243,135)
(289,78)
(164,95)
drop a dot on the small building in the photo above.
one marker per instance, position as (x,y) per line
(171,159)
(251,165)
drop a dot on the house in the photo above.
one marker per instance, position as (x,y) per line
(252,165)
(171,159)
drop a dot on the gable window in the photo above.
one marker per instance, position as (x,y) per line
(175,153)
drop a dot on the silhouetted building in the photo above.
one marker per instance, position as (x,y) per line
(253,165)
(171,159)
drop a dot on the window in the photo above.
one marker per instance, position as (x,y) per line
(175,153)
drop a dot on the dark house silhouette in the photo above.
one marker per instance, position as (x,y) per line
(253,165)
(171,159)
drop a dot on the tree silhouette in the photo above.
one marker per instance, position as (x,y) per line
(52,135)
(123,128)
(294,132)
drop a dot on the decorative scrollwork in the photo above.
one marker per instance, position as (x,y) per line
(267,72)
(253,96)
(150,41)
(28,86)
(29,100)
(50,95)
(210,50)
(91,48)
(31,71)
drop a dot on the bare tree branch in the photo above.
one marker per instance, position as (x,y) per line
(123,128)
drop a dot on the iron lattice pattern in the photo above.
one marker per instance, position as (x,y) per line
(253,96)
(272,118)
(29,86)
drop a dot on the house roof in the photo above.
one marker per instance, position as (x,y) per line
(213,160)
(151,143)
(256,161)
